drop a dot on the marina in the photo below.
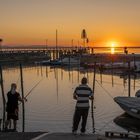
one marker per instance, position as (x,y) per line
(56,97)
(70,70)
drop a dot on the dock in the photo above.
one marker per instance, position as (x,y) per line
(53,136)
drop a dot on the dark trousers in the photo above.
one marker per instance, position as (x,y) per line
(80,113)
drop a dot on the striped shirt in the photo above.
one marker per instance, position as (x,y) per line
(82,94)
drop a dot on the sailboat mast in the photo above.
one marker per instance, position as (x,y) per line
(56,44)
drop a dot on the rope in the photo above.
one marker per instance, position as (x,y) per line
(105,90)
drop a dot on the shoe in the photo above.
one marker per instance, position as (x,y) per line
(82,133)
(14,130)
(74,132)
(5,129)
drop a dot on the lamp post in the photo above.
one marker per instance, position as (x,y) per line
(72,43)
(84,37)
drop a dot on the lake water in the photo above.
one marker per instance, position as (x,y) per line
(50,105)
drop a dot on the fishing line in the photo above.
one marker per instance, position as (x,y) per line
(32,89)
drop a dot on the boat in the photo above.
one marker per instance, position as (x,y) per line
(131,105)
(128,122)
(70,61)
(44,62)
(54,62)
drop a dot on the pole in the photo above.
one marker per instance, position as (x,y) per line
(129,80)
(56,44)
(92,108)
(3,97)
(1,44)
(22,91)
(46,44)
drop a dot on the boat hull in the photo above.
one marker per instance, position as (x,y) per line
(131,105)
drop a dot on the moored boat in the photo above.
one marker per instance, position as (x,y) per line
(131,105)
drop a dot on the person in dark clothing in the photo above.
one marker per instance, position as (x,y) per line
(12,106)
(82,94)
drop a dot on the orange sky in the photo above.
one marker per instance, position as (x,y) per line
(31,22)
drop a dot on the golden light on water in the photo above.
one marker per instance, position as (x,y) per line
(112,50)
(113,44)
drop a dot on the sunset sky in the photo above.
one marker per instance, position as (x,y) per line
(31,22)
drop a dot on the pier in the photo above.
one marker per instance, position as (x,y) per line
(35,53)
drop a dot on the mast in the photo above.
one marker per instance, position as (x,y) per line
(56,44)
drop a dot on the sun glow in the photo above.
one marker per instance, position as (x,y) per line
(112,50)
(113,45)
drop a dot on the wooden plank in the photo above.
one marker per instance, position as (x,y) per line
(122,134)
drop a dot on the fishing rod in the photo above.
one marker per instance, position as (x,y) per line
(32,89)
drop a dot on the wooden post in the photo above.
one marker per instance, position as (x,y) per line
(129,80)
(0,124)
(92,107)
(22,91)
(3,96)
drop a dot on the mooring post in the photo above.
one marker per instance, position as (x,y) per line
(0,124)
(92,107)
(129,79)
(23,106)
(3,96)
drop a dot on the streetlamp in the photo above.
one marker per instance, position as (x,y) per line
(84,37)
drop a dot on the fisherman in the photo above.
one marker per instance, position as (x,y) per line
(82,94)
(12,107)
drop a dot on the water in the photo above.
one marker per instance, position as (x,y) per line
(50,105)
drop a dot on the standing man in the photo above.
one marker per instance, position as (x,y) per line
(82,94)
(12,107)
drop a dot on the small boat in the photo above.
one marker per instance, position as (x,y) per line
(54,62)
(44,62)
(70,61)
(131,105)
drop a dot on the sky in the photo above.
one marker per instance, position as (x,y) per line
(107,22)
